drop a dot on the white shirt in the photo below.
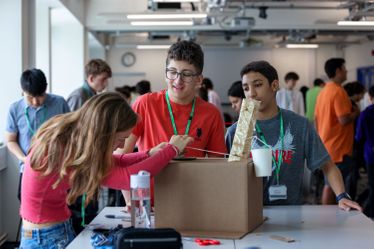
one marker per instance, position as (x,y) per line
(291,100)
(214,98)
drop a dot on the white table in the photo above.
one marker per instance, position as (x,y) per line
(311,227)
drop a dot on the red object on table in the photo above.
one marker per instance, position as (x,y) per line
(207,242)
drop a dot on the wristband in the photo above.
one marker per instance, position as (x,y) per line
(342,196)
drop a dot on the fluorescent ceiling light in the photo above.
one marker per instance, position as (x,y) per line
(301,45)
(176,1)
(166,16)
(167,23)
(153,46)
(356,23)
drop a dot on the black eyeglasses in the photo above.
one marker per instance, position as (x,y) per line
(186,76)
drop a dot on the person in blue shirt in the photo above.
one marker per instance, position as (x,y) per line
(365,136)
(26,115)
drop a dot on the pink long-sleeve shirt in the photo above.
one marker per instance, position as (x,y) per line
(43,204)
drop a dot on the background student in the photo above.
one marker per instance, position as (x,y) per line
(97,73)
(334,120)
(26,115)
(365,137)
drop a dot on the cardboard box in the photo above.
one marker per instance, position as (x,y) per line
(209,198)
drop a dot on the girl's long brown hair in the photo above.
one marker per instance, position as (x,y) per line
(80,143)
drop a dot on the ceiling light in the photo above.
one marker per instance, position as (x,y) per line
(153,46)
(166,16)
(167,23)
(301,45)
(176,1)
(356,23)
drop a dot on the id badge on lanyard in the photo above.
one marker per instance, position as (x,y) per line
(277,192)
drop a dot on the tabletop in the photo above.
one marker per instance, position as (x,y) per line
(302,227)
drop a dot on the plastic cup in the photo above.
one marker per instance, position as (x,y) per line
(262,161)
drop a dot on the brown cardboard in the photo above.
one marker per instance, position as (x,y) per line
(241,145)
(209,198)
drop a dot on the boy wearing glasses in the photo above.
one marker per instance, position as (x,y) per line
(26,115)
(177,110)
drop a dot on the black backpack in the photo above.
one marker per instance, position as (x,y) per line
(137,238)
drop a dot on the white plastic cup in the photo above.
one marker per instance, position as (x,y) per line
(262,159)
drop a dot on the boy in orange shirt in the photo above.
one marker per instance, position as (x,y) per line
(334,117)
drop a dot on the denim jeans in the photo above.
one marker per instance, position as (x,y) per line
(54,237)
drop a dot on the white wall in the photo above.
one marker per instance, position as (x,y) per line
(11,65)
(11,51)
(68,52)
(150,64)
(95,48)
(223,66)
(358,56)
(43,41)
(77,7)
(301,61)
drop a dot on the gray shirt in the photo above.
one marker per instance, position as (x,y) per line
(79,96)
(300,143)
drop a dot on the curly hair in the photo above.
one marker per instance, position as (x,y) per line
(187,51)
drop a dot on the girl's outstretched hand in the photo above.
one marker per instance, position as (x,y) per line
(180,141)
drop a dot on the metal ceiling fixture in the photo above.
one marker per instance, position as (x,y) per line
(248,22)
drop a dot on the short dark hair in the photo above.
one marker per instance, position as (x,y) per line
(97,66)
(371,91)
(187,51)
(262,67)
(318,82)
(236,90)
(203,93)
(34,82)
(124,91)
(143,87)
(291,76)
(332,64)
(353,88)
(207,83)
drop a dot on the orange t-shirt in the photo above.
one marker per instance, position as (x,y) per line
(333,102)
(155,125)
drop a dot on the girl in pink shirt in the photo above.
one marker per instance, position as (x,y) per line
(72,155)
